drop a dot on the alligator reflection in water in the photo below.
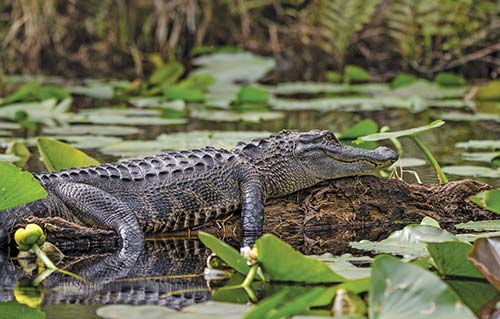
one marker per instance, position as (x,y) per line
(167,273)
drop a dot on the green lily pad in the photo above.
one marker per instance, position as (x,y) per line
(281,262)
(450,79)
(229,116)
(289,88)
(21,151)
(252,94)
(229,69)
(58,155)
(467,117)
(42,112)
(450,259)
(486,157)
(173,92)
(9,126)
(355,74)
(90,129)
(156,102)
(472,171)
(11,158)
(96,91)
(401,290)
(12,309)
(166,73)
(17,187)
(227,253)
(488,199)
(87,141)
(489,91)
(480,144)
(481,225)
(408,242)
(396,134)
(429,90)
(403,79)
(123,117)
(362,128)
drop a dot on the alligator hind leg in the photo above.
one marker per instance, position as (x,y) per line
(100,209)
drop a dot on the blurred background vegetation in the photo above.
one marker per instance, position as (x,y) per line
(307,37)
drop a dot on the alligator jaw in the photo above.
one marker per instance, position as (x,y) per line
(378,158)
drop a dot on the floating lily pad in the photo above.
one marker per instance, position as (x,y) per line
(145,102)
(124,117)
(472,171)
(467,117)
(450,79)
(401,290)
(229,69)
(486,157)
(489,199)
(91,129)
(429,90)
(403,79)
(12,309)
(11,158)
(180,141)
(57,155)
(43,112)
(88,141)
(480,144)
(281,262)
(481,225)
(9,126)
(228,116)
(489,91)
(227,253)
(96,91)
(289,88)
(18,187)
(408,242)
(5,133)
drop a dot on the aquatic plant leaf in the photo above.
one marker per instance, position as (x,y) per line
(132,312)
(450,79)
(289,88)
(112,130)
(57,155)
(199,82)
(450,259)
(486,157)
(333,77)
(474,294)
(488,199)
(280,262)
(485,256)
(267,305)
(401,290)
(230,116)
(396,134)
(21,151)
(167,73)
(489,91)
(9,126)
(51,91)
(22,94)
(124,117)
(480,144)
(355,74)
(97,91)
(40,112)
(11,158)
(12,309)
(177,93)
(227,253)
(403,79)
(474,117)
(87,141)
(157,102)
(480,225)
(252,94)
(18,187)
(362,128)
(472,171)
(429,90)
(408,242)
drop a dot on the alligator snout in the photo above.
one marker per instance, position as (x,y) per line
(387,154)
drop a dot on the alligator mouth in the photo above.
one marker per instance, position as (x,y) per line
(371,161)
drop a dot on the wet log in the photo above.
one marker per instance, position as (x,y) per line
(328,216)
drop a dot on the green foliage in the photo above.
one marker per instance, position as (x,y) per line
(57,155)
(334,77)
(225,252)
(12,309)
(401,290)
(339,20)
(167,73)
(403,79)
(253,95)
(489,91)
(200,82)
(488,199)
(280,262)
(177,93)
(355,74)
(34,91)
(17,187)
(450,79)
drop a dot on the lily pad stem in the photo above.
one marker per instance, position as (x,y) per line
(250,276)
(43,257)
(440,174)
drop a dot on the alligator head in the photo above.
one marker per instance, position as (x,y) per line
(325,158)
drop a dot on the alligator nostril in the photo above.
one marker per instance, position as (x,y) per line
(388,153)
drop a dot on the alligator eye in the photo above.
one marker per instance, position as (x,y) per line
(330,137)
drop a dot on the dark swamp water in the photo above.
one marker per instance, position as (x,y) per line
(169,271)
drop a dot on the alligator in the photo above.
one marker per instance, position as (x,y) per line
(183,189)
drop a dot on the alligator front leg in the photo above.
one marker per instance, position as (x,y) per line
(252,213)
(100,209)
